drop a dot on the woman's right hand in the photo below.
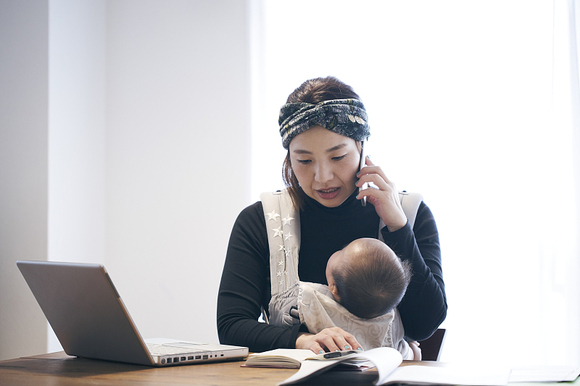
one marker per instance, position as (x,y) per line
(385,197)
(328,340)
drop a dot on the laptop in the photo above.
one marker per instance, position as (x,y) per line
(90,320)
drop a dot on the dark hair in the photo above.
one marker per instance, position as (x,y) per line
(312,91)
(373,283)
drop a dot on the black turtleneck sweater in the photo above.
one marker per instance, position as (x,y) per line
(245,284)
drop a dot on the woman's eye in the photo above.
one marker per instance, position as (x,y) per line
(304,161)
(338,158)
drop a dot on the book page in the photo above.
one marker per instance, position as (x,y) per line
(385,359)
(293,353)
(309,369)
(284,358)
(544,373)
(464,375)
(387,362)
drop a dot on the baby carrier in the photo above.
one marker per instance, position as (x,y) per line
(295,302)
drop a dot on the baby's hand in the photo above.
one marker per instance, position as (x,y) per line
(416,350)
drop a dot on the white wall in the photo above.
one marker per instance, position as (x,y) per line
(76,226)
(76,127)
(132,150)
(178,148)
(23,169)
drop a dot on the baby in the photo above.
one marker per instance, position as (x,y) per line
(366,281)
(367,278)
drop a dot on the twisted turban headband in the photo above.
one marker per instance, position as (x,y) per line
(346,117)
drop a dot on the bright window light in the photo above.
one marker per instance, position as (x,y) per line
(459,96)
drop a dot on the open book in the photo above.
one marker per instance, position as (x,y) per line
(386,361)
(281,358)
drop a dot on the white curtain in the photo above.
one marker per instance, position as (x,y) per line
(475,104)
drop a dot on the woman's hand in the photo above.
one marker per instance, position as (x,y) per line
(328,340)
(385,198)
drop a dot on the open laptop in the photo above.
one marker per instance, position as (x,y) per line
(90,320)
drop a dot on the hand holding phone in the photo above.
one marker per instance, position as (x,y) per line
(362,165)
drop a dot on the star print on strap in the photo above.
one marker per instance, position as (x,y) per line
(278,232)
(282,224)
(273,216)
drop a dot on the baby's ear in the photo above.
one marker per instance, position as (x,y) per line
(334,291)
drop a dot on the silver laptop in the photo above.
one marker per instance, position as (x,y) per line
(90,320)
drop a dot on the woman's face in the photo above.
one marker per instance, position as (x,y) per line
(325,164)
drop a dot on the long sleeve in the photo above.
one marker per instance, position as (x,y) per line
(245,288)
(245,285)
(424,306)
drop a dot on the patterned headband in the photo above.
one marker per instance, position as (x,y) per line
(346,117)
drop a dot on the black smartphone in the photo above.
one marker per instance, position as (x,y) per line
(362,165)
(332,355)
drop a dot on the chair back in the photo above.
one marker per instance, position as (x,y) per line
(431,347)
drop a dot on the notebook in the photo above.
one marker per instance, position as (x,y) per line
(90,320)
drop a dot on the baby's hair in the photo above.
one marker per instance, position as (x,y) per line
(374,282)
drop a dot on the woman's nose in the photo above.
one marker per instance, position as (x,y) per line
(323,173)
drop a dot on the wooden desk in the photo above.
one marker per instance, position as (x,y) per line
(60,369)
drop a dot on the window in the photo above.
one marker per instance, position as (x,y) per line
(469,104)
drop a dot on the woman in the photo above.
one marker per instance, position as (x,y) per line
(323,125)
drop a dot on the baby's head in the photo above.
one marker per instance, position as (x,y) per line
(367,277)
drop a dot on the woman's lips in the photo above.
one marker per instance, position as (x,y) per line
(328,194)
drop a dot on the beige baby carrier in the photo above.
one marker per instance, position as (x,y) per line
(312,304)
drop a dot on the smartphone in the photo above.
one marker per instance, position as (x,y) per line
(332,355)
(362,165)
